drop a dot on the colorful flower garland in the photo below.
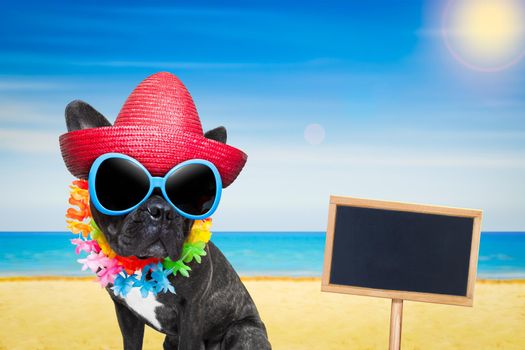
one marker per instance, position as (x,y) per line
(126,272)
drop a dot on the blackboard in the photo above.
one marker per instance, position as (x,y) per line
(401,250)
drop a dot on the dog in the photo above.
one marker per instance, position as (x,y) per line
(211,309)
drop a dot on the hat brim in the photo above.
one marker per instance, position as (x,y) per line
(158,149)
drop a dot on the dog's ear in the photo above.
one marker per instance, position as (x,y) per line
(80,115)
(217,134)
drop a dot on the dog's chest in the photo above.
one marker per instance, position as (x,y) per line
(148,308)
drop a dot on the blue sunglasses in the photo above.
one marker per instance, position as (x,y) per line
(118,184)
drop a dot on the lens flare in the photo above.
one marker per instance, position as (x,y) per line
(314,134)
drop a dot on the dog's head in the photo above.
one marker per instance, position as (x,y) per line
(154,229)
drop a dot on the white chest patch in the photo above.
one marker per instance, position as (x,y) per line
(144,306)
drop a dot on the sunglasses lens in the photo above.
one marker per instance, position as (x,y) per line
(192,188)
(120,184)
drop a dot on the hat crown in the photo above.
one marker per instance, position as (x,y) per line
(160,100)
(158,126)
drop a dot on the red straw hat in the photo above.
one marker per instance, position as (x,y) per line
(159,126)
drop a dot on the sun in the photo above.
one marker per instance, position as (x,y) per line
(486,35)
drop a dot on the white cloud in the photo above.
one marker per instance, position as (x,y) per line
(28,141)
(288,188)
(170,64)
(33,114)
(385,156)
(23,84)
(207,65)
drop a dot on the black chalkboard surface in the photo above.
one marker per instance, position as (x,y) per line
(401,250)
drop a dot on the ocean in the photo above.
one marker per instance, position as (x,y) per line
(295,254)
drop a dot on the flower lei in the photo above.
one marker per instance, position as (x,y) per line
(126,272)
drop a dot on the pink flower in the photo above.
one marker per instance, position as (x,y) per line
(86,246)
(79,244)
(94,261)
(107,275)
(92,246)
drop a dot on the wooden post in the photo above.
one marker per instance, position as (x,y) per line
(396,318)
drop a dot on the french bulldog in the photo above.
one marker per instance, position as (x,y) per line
(211,309)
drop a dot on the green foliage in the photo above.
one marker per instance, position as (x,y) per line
(177,267)
(190,252)
(94,226)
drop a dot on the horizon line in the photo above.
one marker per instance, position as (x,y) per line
(251,231)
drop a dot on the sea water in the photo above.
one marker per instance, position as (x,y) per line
(295,254)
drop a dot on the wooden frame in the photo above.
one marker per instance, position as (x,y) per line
(467,300)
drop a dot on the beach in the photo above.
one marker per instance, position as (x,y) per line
(74,313)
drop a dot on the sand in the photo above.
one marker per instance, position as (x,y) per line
(77,314)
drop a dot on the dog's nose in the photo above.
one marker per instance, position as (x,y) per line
(157,210)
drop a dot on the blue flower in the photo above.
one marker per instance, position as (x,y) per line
(161,277)
(146,286)
(123,284)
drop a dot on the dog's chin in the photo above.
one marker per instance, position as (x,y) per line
(155,250)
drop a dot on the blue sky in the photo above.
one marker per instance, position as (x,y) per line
(403,120)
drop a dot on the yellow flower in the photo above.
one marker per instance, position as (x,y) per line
(98,236)
(200,231)
(79,194)
(79,227)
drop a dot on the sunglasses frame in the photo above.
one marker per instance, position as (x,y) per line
(154,182)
